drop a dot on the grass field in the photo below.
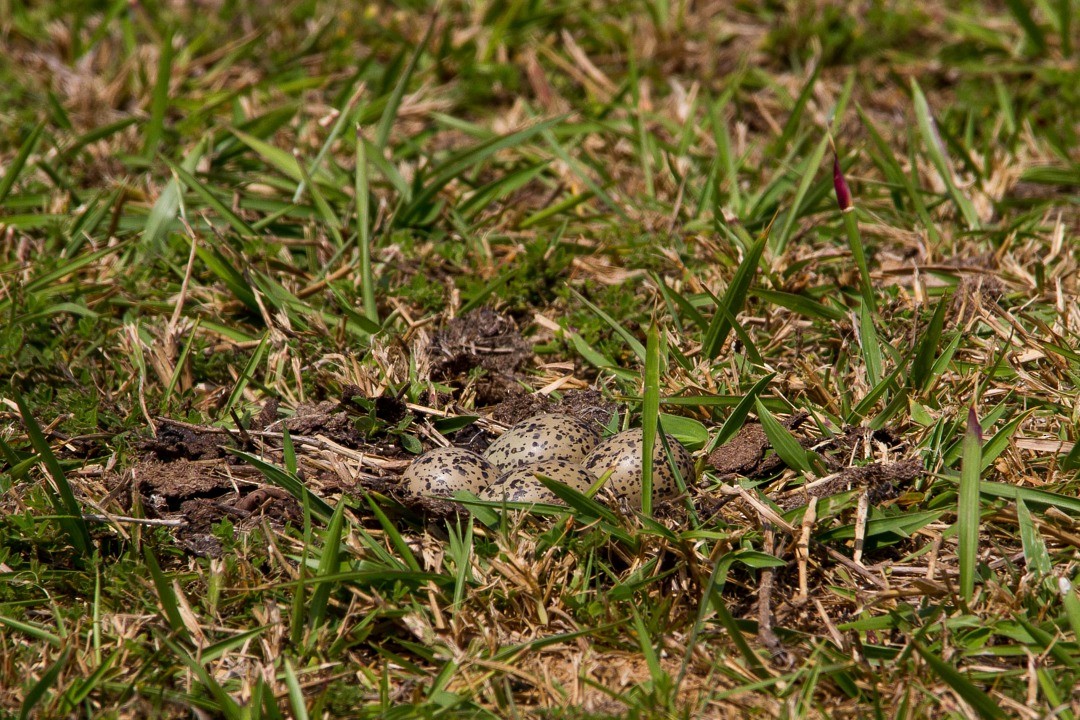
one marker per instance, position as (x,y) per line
(832,248)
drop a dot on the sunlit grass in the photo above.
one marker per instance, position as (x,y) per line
(838,231)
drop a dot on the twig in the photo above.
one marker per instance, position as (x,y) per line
(164,522)
(802,550)
(862,515)
(766,634)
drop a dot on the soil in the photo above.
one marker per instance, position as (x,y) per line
(745,454)
(181,442)
(484,340)
(588,405)
(478,339)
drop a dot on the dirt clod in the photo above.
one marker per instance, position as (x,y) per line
(481,338)
(745,454)
(178,442)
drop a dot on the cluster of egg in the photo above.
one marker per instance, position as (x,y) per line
(557,446)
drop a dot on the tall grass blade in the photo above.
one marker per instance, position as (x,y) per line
(289,482)
(159,100)
(38,690)
(59,491)
(296,693)
(783,442)
(363,229)
(733,300)
(15,168)
(1035,553)
(809,170)
(227,707)
(390,111)
(170,606)
(650,412)
(632,342)
(851,228)
(982,703)
(921,376)
(967,512)
(735,420)
(871,349)
(1032,31)
(246,376)
(394,535)
(329,564)
(936,151)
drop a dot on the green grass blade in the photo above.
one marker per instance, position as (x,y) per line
(585,177)
(921,376)
(650,412)
(973,696)
(632,342)
(296,693)
(288,482)
(393,104)
(159,99)
(652,660)
(1035,553)
(851,229)
(79,690)
(392,533)
(235,221)
(735,420)
(39,689)
(734,299)
(1064,13)
(871,348)
(783,442)
(1072,605)
(936,151)
(809,171)
(363,227)
(734,632)
(170,606)
(59,491)
(288,451)
(233,279)
(163,213)
(18,163)
(247,375)
(284,162)
(35,631)
(796,114)
(1032,31)
(968,503)
(329,564)
(465,160)
(226,705)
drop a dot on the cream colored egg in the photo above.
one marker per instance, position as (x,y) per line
(621,454)
(444,471)
(542,438)
(522,485)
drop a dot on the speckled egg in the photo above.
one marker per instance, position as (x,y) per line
(542,438)
(521,485)
(444,471)
(622,455)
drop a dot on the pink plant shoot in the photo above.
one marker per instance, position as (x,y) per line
(973,426)
(843,192)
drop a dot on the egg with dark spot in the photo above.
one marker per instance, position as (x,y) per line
(444,471)
(542,438)
(522,485)
(621,454)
